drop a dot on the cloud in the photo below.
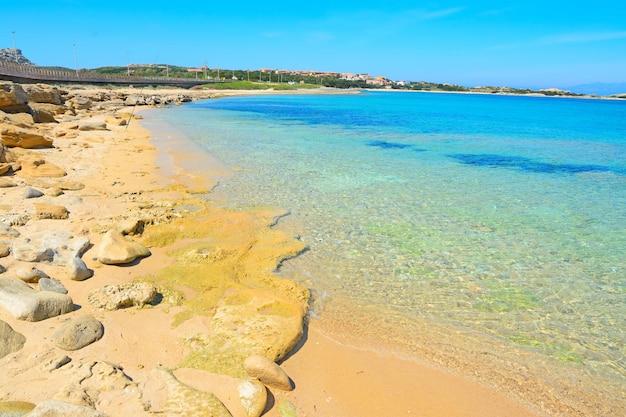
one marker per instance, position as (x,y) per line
(582,37)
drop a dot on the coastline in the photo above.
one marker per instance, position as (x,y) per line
(333,373)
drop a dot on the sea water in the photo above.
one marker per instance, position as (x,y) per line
(498,217)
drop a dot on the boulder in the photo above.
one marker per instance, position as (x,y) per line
(20,137)
(116,296)
(53,246)
(45,113)
(58,408)
(37,168)
(13,98)
(115,248)
(164,395)
(24,303)
(77,270)
(30,274)
(43,93)
(50,211)
(10,340)
(49,284)
(4,168)
(78,333)
(268,372)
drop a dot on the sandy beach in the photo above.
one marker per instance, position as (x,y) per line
(209,269)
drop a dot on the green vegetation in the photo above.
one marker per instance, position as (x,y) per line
(504,299)
(555,350)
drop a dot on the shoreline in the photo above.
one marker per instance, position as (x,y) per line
(332,374)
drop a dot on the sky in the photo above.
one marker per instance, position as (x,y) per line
(524,44)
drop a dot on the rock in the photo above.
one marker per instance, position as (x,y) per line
(89,126)
(49,284)
(2,269)
(71,185)
(164,395)
(24,303)
(44,113)
(13,98)
(115,121)
(8,231)
(15,408)
(50,211)
(4,250)
(57,363)
(131,227)
(43,93)
(37,168)
(54,192)
(54,246)
(7,183)
(115,296)
(10,340)
(57,408)
(32,193)
(4,168)
(116,249)
(18,137)
(78,333)
(80,103)
(77,269)
(253,397)
(135,100)
(242,398)
(268,372)
(261,322)
(30,274)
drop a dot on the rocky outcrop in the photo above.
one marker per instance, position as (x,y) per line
(78,333)
(42,93)
(18,137)
(115,248)
(10,340)
(13,98)
(54,246)
(25,303)
(113,297)
(163,394)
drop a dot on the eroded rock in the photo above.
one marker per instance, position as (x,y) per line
(57,408)
(24,303)
(116,296)
(54,246)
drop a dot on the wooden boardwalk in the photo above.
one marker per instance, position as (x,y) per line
(22,73)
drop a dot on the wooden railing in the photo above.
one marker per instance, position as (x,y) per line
(24,73)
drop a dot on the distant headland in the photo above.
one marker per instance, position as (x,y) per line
(265,78)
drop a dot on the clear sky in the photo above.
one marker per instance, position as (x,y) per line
(516,43)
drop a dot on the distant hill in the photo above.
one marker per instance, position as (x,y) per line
(600,89)
(13,55)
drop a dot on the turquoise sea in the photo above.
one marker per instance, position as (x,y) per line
(497,223)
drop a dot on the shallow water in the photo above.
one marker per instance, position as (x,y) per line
(501,216)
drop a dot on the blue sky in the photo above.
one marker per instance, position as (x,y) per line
(529,43)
